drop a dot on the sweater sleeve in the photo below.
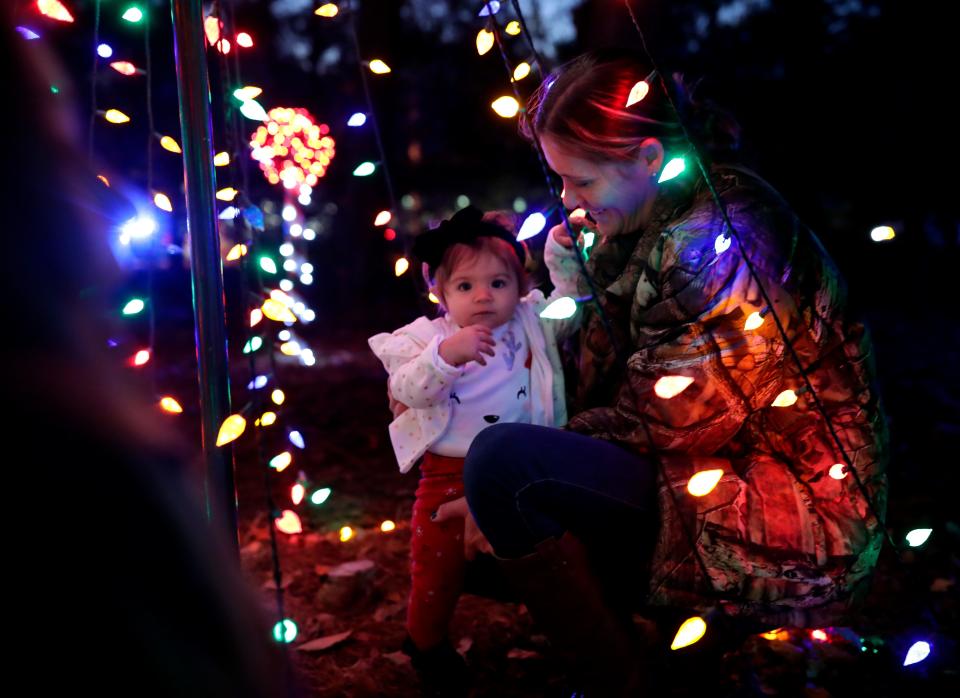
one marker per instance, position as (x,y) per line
(696,372)
(567,278)
(418,376)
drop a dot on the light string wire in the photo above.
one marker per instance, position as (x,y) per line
(93,81)
(551,187)
(731,230)
(230,75)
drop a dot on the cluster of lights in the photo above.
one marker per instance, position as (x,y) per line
(291,148)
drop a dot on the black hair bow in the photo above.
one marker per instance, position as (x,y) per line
(465,226)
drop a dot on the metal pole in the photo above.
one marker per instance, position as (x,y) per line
(206,272)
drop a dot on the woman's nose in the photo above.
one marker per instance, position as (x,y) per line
(569,198)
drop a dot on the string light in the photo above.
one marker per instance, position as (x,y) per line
(722,243)
(819,635)
(512,28)
(54,9)
(169,404)
(221,159)
(252,345)
(637,93)
(389,234)
(490,7)
(104,51)
(882,233)
(297,493)
(364,169)
(917,653)
(268,265)
(400,266)
(560,309)
(267,419)
(388,526)
(669,387)
(168,143)
(378,67)
(285,631)
(281,461)
(162,201)
(103,179)
(236,252)
(278,397)
(133,306)
(690,631)
(244,40)
(231,429)
(247,92)
(257,383)
(382,218)
(346,533)
(141,357)
(837,471)
(321,495)
(277,311)
(506,106)
(256,315)
(754,320)
(227,194)
(433,298)
(673,169)
(115,116)
(290,348)
(918,536)
(357,119)
(288,522)
(485,41)
(124,67)
(296,438)
(133,14)
(703,482)
(327,10)
(521,71)
(252,110)
(785,399)
(533,224)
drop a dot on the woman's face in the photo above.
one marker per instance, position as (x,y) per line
(617,195)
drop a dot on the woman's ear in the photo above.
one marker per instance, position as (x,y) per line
(650,155)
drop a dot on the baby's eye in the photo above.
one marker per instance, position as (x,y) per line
(463,286)
(499,283)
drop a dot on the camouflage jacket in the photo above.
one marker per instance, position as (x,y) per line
(779,539)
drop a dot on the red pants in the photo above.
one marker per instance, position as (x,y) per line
(436,552)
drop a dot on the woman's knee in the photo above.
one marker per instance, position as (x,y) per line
(490,457)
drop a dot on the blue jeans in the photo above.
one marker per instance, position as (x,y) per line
(527,483)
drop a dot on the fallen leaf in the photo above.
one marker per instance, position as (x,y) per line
(348,569)
(398,658)
(941,584)
(388,610)
(517,653)
(326,642)
(464,645)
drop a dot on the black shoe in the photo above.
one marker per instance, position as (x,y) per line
(442,671)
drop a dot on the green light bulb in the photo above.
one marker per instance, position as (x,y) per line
(132,14)
(133,306)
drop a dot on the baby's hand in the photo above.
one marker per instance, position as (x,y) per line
(469,344)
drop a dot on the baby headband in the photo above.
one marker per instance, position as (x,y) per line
(464,227)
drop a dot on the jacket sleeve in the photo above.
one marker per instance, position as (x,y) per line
(419,377)
(688,323)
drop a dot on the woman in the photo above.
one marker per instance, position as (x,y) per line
(786,536)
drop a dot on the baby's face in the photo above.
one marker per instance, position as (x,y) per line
(481,290)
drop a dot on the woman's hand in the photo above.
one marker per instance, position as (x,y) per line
(578,221)
(473,539)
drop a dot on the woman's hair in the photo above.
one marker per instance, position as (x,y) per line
(583,105)
(466,251)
